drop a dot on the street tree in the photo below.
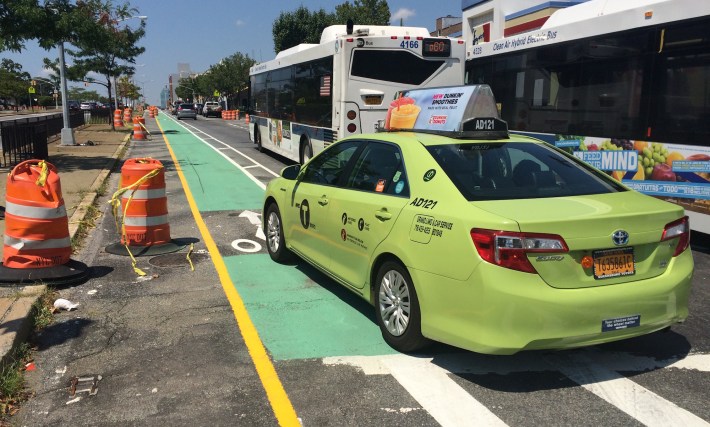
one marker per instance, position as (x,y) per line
(13,82)
(299,26)
(19,21)
(229,77)
(127,90)
(363,12)
(102,45)
(188,90)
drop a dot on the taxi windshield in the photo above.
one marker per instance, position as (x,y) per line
(516,170)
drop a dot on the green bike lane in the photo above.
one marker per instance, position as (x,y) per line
(298,312)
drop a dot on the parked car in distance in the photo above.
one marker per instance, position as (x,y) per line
(186,111)
(73,105)
(88,105)
(212,108)
(198,108)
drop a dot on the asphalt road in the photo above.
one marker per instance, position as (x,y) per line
(182,347)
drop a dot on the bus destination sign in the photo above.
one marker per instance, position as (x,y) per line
(436,48)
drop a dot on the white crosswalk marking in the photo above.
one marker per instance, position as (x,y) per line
(639,402)
(596,371)
(446,401)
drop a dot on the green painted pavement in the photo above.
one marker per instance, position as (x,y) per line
(296,317)
(205,171)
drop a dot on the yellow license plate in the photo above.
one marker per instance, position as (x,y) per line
(613,263)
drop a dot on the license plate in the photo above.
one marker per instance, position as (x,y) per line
(613,263)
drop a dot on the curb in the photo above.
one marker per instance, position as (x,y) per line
(15,310)
(15,319)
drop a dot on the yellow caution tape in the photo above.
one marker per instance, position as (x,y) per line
(42,180)
(145,129)
(192,246)
(116,203)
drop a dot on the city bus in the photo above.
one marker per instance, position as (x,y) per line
(624,85)
(313,94)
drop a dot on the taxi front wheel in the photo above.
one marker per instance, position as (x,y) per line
(397,308)
(275,242)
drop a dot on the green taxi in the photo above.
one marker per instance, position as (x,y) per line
(486,241)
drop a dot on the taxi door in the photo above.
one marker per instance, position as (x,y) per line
(310,214)
(367,206)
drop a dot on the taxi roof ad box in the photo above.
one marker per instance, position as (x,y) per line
(441,109)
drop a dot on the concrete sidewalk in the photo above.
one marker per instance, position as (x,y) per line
(82,170)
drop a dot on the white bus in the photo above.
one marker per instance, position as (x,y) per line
(313,94)
(624,85)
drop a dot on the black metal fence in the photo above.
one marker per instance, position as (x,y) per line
(98,116)
(27,138)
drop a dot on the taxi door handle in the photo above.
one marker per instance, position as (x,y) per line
(323,201)
(383,215)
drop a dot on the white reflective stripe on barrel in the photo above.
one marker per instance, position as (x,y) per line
(27,244)
(35,212)
(147,221)
(154,193)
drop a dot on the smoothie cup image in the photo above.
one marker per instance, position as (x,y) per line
(394,104)
(404,116)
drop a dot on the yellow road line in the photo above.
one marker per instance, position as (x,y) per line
(280,403)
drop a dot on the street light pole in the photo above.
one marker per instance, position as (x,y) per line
(67,134)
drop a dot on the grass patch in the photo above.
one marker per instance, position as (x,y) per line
(12,380)
(43,309)
(86,224)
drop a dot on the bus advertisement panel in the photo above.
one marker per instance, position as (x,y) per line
(313,94)
(623,85)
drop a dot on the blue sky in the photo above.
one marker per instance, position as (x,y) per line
(201,32)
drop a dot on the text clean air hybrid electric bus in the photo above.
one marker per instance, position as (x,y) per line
(313,94)
(625,85)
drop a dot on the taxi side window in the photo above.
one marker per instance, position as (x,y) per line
(380,169)
(328,167)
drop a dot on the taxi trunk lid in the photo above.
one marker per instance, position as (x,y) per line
(587,224)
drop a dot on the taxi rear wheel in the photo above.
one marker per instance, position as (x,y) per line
(397,308)
(275,242)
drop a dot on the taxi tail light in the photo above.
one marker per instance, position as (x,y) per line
(679,228)
(510,249)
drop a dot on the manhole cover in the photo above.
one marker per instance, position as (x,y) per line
(176,260)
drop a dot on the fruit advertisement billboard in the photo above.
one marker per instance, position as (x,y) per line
(677,173)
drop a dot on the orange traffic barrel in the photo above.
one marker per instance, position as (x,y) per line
(127,114)
(145,229)
(36,224)
(151,113)
(138,132)
(37,245)
(246,118)
(117,118)
(146,214)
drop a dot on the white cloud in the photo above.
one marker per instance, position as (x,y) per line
(402,14)
(239,23)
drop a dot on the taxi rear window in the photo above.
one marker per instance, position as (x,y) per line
(515,170)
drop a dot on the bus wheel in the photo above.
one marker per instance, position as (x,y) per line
(257,139)
(306,151)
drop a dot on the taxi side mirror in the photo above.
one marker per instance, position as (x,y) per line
(290,172)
